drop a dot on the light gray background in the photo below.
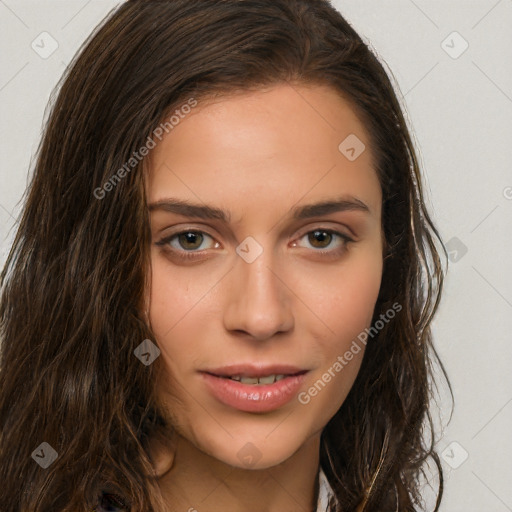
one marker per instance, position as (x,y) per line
(460,107)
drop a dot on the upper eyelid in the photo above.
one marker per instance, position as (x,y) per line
(330,230)
(167,238)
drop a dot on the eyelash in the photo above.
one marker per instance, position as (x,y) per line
(192,255)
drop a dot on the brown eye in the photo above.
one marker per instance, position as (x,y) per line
(188,241)
(320,239)
(324,242)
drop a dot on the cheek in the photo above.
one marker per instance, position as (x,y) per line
(351,311)
(174,303)
(344,298)
(346,308)
(177,294)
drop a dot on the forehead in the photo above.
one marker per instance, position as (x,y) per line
(277,144)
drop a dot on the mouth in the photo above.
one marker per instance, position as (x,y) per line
(251,370)
(258,381)
(252,388)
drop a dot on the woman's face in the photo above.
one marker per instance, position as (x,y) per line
(250,279)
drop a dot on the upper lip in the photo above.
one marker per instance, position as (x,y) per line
(253,370)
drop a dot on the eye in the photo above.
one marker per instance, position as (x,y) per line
(188,241)
(325,240)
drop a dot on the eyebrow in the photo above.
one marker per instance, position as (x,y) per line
(188,209)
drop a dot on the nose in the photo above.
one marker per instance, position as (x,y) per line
(259,302)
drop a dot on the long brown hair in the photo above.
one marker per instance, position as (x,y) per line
(75,282)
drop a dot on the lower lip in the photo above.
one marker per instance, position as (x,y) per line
(254,397)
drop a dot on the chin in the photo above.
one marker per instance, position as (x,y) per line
(257,450)
(250,457)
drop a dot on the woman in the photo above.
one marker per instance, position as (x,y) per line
(220,292)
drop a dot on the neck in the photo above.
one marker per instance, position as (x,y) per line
(197,482)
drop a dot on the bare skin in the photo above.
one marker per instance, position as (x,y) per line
(302,301)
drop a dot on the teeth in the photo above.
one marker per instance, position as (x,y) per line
(249,380)
(267,380)
(270,379)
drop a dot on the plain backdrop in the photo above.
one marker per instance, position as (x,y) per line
(451,61)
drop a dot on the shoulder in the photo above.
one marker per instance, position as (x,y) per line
(325,492)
